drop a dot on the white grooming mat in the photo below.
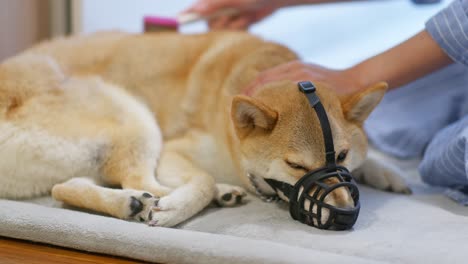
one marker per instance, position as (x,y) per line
(425,227)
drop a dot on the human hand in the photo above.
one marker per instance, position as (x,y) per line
(343,82)
(250,12)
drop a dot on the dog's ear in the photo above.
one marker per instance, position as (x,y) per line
(248,114)
(357,107)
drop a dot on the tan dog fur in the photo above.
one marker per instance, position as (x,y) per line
(78,115)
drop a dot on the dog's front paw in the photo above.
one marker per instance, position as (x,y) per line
(229,195)
(381,176)
(166,213)
(140,206)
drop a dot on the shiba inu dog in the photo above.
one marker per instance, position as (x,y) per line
(165,118)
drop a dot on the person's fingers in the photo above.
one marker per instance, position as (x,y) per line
(261,79)
(207,7)
(276,75)
(258,80)
(278,72)
(193,8)
(338,81)
(301,76)
(239,23)
(294,71)
(272,77)
(263,13)
(219,23)
(198,7)
(245,20)
(249,88)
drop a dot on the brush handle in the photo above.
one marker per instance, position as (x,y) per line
(194,17)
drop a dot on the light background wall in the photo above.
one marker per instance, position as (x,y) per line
(336,35)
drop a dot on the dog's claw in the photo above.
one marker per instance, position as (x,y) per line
(156,209)
(153,223)
(407,191)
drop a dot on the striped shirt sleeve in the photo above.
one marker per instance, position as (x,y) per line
(425,1)
(449,28)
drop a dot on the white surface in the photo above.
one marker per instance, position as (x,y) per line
(425,227)
(162,245)
(335,35)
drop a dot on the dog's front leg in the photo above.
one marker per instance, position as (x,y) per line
(197,189)
(377,174)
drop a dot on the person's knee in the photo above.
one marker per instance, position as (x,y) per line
(445,159)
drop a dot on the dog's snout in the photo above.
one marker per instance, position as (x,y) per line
(339,197)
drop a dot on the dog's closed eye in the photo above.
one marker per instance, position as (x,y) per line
(295,166)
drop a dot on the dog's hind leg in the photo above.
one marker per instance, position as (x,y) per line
(196,190)
(123,204)
(131,163)
(131,173)
(128,159)
(135,145)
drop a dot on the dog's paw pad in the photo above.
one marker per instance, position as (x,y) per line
(230,195)
(399,189)
(141,207)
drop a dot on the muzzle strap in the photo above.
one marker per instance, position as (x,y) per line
(286,188)
(309,90)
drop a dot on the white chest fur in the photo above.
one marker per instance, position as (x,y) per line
(213,157)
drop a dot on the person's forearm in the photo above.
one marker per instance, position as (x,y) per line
(407,62)
(286,3)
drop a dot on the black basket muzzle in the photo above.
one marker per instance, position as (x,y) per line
(307,196)
(312,188)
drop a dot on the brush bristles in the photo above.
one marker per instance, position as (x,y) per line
(153,24)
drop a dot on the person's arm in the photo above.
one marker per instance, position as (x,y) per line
(311,2)
(250,11)
(416,57)
(409,61)
(444,40)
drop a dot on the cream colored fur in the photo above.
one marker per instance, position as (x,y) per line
(82,114)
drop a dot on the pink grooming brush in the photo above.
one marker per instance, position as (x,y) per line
(154,23)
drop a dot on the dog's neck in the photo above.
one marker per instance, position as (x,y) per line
(232,89)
